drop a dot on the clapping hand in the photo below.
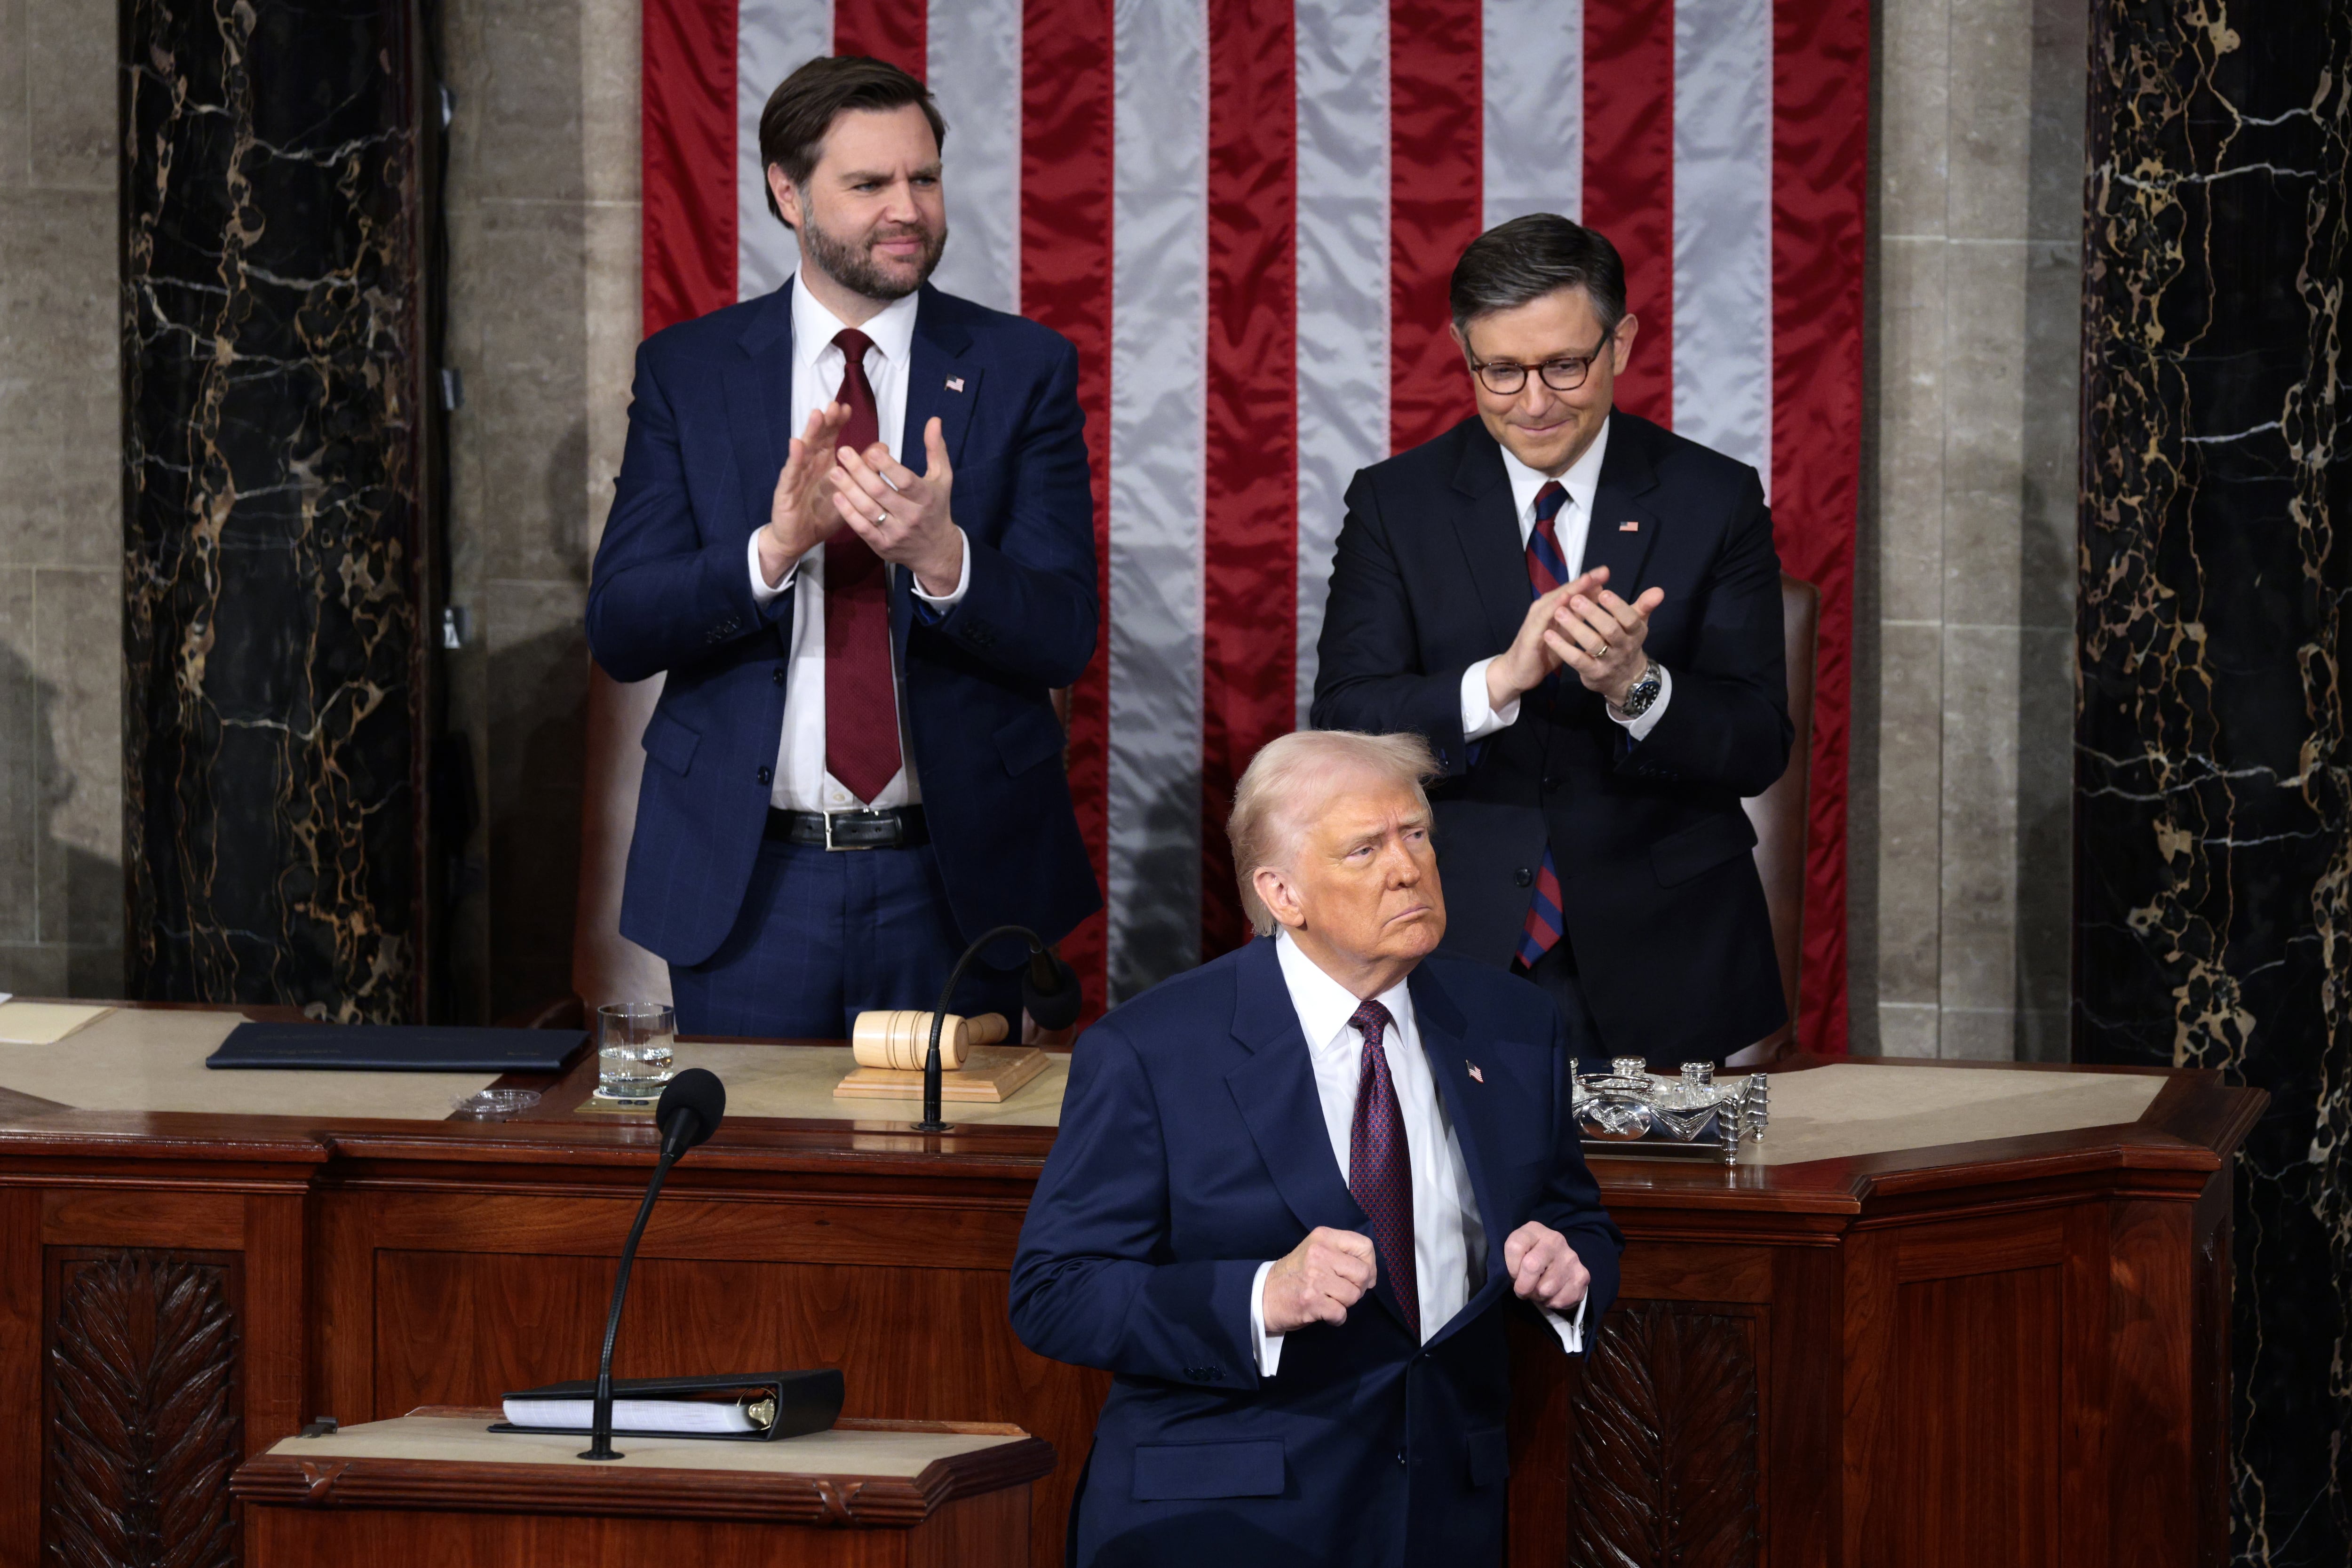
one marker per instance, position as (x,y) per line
(798,518)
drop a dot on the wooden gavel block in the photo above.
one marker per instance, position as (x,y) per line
(900,1038)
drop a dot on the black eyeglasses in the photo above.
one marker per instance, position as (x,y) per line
(1506,377)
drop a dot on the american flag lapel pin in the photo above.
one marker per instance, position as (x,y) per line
(1475,1073)
(955,383)
(1629,526)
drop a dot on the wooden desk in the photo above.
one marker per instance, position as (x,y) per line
(434,1486)
(2008,1350)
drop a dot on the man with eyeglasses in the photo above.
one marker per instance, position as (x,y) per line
(1581,613)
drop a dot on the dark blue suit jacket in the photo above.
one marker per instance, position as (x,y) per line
(1650,841)
(672,591)
(1192,1148)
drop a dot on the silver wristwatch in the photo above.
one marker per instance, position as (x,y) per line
(1643,692)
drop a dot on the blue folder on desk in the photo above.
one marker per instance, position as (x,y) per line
(398,1047)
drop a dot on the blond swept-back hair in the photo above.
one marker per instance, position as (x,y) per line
(1271,807)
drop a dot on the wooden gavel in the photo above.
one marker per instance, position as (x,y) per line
(900,1038)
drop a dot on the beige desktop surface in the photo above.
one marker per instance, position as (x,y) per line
(143,1060)
(1850,1108)
(444,1440)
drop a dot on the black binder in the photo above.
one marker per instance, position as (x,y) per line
(805,1401)
(398,1047)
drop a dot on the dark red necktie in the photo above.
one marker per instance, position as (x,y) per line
(1379,1166)
(1547,570)
(861,706)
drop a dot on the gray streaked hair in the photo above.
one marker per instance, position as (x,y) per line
(1519,262)
(1269,816)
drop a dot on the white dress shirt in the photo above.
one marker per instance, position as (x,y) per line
(1573,523)
(802,783)
(1447,1234)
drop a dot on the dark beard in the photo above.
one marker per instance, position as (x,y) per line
(850,265)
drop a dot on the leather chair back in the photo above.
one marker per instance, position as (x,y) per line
(1779,814)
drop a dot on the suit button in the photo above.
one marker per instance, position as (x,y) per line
(1400,1455)
(767,775)
(1524,877)
(779,675)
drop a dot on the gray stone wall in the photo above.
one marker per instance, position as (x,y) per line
(1965,567)
(543,321)
(60,505)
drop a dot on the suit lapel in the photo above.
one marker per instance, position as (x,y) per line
(760,403)
(1443,1030)
(1626,475)
(1283,1111)
(941,384)
(1486,524)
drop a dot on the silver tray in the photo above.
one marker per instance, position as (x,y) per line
(1629,1110)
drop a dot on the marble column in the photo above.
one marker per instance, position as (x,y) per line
(274,457)
(2213,833)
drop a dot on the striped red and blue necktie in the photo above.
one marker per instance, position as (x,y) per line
(1379,1166)
(1547,570)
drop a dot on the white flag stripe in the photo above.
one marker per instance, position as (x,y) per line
(1723,227)
(973,70)
(1534,82)
(1343,283)
(1159,391)
(772,39)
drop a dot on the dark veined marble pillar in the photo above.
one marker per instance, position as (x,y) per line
(275,454)
(2213,835)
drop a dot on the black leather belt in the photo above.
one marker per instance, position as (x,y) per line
(897,829)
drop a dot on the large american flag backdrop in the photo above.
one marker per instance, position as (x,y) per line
(1244,214)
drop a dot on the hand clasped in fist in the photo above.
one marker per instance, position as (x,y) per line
(1544,1269)
(1324,1275)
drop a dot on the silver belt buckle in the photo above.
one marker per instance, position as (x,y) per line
(840,848)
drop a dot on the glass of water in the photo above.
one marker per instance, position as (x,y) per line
(635,1043)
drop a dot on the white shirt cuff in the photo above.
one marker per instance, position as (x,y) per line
(1478,719)
(1571,1328)
(1268,1348)
(1639,728)
(963,580)
(762,595)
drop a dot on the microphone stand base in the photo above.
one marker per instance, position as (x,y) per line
(607,1454)
(934,1126)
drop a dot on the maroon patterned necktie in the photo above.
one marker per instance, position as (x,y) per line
(861,707)
(1380,1167)
(1540,932)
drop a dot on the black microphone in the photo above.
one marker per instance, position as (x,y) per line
(1049,993)
(689,1112)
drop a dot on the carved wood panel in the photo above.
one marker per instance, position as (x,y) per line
(140,1396)
(1663,1462)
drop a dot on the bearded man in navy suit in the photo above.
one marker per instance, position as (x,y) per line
(1296,1192)
(856,766)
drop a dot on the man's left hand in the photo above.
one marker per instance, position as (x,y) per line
(1599,636)
(903,517)
(1544,1269)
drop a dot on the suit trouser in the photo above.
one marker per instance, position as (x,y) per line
(1556,973)
(824,934)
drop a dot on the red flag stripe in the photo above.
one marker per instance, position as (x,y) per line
(1065,271)
(1629,173)
(688,128)
(894,30)
(1250,586)
(1436,175)
(1820,119)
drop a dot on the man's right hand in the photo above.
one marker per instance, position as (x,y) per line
(1521,668)
(1323,1277)
(802,516)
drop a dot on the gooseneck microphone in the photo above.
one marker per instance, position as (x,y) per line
(1049,993)
(689,1111)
